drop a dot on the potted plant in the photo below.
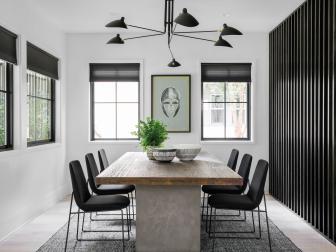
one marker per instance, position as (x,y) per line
(152,133)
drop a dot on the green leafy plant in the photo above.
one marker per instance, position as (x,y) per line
(151,133)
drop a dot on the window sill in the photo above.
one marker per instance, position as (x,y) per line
(20,151)
(242,142)
(94,142)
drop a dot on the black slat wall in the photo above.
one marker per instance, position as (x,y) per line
(302,113)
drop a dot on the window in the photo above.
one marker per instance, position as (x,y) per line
(41,106)
(8,59)
(226,101)
(115,102)
(6,105)
(41,82)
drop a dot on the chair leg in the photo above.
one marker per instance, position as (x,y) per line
(122,228)
(207,214)
(268,232)
(78,213)
(259,223)
(210,222)
(128,215)
(69,218)
(214,235)
(83,222)
(132,206)
(253,221)
(203,206)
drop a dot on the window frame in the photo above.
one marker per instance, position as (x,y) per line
(92,115)
(249,122)
(52,139)
(9,107)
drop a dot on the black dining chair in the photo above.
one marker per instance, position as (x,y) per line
(92,171)
(102,160)
(232,162)
(244,172)
(88,203)
(246,202)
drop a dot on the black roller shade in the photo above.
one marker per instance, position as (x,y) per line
(114,72)
(41,62)
(230,72)
(8,46)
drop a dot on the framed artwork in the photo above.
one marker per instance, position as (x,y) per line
(171,101)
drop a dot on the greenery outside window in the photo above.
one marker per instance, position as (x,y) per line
(6,105)
(41,109)
(226,111)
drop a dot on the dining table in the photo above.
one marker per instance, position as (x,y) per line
(168,197)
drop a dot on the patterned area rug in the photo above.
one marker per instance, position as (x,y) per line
(279,241)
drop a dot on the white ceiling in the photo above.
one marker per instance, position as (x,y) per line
(87,16)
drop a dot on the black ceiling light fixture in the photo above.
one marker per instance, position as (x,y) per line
(116,40)
(119,23)
(174,63)
(184,19)
(222,42)
(228,30)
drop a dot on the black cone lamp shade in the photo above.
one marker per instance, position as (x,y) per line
(116,40)
(228,30)
(222,42)
(120,23)
(174,63)
(186,19)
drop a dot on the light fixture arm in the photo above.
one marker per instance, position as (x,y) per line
(145,36)
(185,32)
(147,29)
(186,36)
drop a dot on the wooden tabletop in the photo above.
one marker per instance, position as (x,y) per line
(136,168)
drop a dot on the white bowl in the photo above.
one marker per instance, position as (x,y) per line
(164,154)
(187,152)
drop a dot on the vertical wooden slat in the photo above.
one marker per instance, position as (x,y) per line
(302,113)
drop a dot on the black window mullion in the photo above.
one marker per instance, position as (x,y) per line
(225,84)
(116,109)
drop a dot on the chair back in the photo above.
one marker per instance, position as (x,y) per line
(102,160)
(256,190)
(79,186)
(232,163)
(244,169)
(92,170)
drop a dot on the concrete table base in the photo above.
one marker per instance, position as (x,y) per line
(168,218)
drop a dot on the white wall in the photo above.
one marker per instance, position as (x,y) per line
(32,179)
(85,48)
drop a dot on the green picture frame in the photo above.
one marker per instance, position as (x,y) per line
(171,101)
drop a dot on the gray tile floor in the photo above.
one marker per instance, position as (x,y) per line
(36,232)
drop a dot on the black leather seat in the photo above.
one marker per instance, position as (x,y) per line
(102,160)
(93,172)
(106,203)
(213,189)
(115,189)
(244,172)
(233,202)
